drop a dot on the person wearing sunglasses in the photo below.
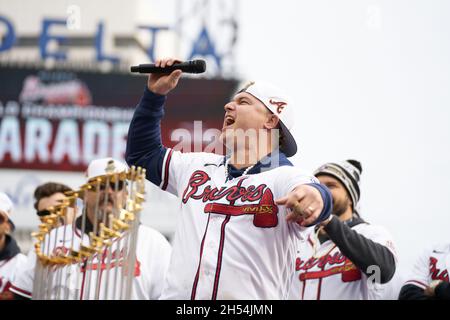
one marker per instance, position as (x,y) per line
(46,196)
(49,195)
(152,251)
(10,257)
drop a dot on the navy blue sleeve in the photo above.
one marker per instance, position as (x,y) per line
(412,292)
(442,291)
(327,202)
(144,145)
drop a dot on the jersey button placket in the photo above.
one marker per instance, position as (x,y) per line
(209,259)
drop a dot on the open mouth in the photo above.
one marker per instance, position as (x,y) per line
(229,121)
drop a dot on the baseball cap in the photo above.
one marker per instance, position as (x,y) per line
(104,166)
(348,172)
(279,104)
(7,206)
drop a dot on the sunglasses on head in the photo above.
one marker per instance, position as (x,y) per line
(113,185)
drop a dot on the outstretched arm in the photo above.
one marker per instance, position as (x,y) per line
(309,204)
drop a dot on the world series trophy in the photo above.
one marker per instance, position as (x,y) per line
(94,257)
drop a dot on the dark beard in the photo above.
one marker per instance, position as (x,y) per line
(339,207)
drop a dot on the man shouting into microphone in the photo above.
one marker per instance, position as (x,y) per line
(241,214)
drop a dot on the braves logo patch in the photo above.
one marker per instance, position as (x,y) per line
(280,105)
(262,204)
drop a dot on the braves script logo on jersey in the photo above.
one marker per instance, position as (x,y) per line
(280,105)
(265,211)
(437,274)
(329,265)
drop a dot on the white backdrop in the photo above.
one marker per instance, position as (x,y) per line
(371,81)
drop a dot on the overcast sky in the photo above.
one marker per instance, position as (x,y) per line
(371,81)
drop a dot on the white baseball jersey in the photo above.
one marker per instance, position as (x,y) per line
(324,273)
(8,271)
(232,241)
(433,264)
(79,282)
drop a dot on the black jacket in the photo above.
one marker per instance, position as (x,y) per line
(362,251)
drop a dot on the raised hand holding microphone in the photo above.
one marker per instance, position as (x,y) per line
(192,66)
(163,83)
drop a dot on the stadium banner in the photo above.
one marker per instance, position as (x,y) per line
(53,122)
(63,119)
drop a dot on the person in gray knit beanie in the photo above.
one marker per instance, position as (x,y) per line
(348,173)
(337,261)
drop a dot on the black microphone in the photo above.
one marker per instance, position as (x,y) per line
(193,66)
